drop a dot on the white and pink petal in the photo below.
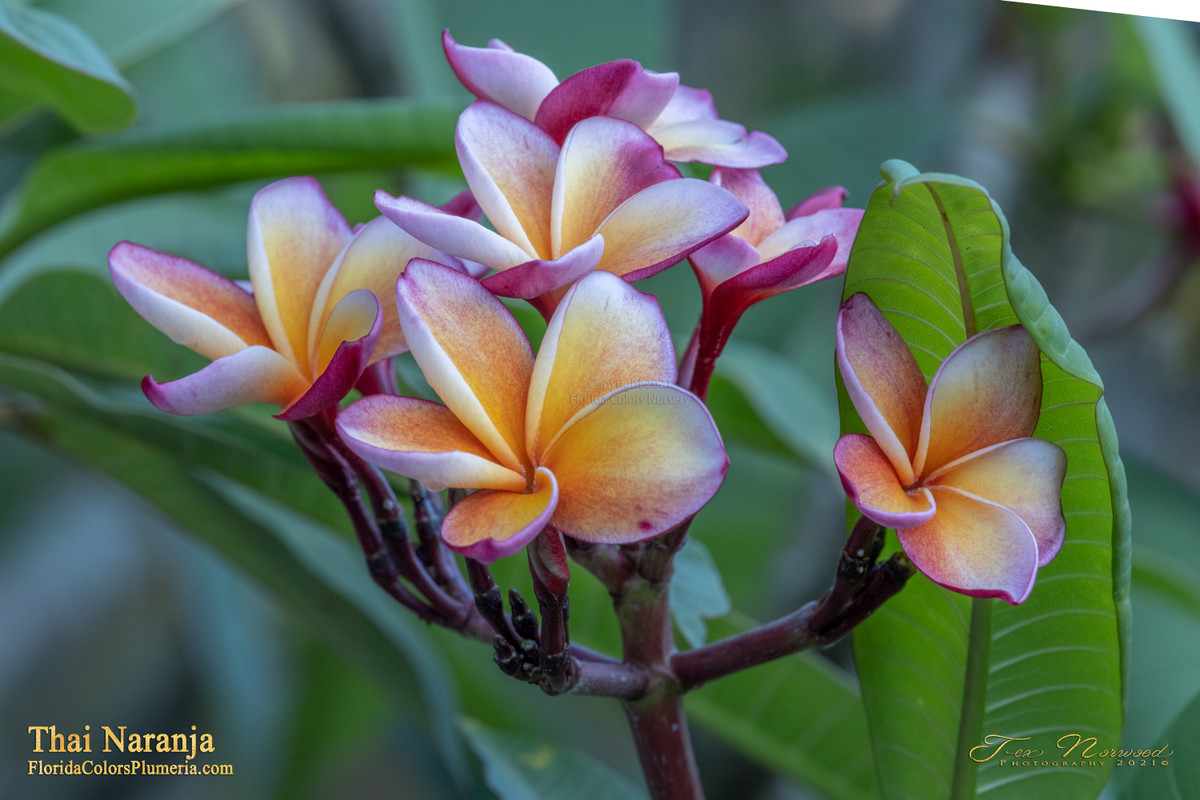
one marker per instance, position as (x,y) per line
(499,74)
(829,197)
(534,278)
(619,89)
(450,233)
(686,105)
(194,306)
(747,185)
(256,374)
(841,223)
(424,441)
(719,142)
(722,259)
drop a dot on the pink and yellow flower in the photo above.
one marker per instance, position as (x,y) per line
(590,437)
(952,467)
(605,199)
(682,119)
(768,254)
(311,324)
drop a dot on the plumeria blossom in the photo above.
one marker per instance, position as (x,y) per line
(769,253)
(682,119)
(590,437)
(605,199)
(309,326)
(974,499)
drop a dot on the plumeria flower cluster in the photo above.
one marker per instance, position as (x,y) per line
(602,435)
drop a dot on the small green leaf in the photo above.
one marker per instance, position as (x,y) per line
(696,592)
(277,142)
(938,671)
(46,60)
(519,767)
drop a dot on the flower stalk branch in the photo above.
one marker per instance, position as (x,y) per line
(861,586)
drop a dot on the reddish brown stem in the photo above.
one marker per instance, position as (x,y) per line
(657,721)
(860,587)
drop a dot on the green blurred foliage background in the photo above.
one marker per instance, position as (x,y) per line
(113,613)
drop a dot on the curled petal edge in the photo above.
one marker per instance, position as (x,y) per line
(527,281)
(257,374)
(509,507)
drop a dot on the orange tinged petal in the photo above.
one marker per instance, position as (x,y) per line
(373,260)
(472,352)
(293,239)
(635,463)
(883,381)
(604,162)
(194,306)
(987,391)
(871,483)
(1023,475)
(664,223)
(488,525)
(352,319)
(605,335)
(422,440)
(975,547)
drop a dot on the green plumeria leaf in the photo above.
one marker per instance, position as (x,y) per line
(940,671)
(696,592)
(47,61)
(518,767)
(278,142)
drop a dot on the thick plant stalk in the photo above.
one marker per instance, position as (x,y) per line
(657,720)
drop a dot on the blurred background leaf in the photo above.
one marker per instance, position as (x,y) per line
(46,60)
(521,768)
